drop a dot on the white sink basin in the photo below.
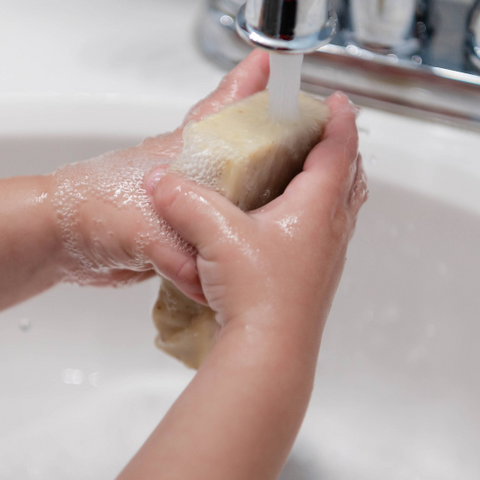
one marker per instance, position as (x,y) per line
(398,391)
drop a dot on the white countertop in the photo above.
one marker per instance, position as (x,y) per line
(129,48)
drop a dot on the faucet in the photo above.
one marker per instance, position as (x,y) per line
(385,26)
(473,37)
(411,56)
(287,26)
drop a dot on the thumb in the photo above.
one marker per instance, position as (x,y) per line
(202,217)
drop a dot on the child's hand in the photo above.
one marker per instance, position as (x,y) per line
(270,275)
(287,256)
(109,230)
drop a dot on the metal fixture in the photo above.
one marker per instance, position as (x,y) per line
(426,66)
(473,37)
(287,26)
(384,26)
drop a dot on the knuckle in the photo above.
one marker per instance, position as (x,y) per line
(166,194)
(185,272)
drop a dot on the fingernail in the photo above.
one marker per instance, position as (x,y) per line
(152,178)
(340,95)
(350,107)
(347,105)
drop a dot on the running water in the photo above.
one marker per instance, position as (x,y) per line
(284,86)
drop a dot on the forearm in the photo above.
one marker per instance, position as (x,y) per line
(29,243)
(226,423)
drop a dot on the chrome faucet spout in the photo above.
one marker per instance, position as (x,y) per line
(410,56)
(287,26)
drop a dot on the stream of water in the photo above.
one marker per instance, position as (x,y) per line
(284,86)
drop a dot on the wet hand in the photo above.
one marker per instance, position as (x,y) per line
(285,259)
(110,234)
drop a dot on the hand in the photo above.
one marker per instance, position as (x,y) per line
(270,275)
(111,234)
(287,256)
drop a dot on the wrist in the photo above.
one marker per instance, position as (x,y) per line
(56,259)
(272,338)
(29,244)
(291,319)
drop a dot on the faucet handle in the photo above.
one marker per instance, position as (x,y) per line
(387,26)
(473,37)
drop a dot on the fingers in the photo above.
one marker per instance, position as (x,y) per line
(181,208)
(153,177)
(205,219)
(248,77)
(330,168)
(179,266)
(330,190)
(176,264)
(334,158)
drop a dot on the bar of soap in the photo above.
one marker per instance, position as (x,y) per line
(186,329)
(243,154)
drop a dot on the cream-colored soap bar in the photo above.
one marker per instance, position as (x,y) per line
(243,154)
(186,329)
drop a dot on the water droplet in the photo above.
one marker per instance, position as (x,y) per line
(372,160)
(352,50)
(25,324)
(226,20)
(265,195)
(77,377)
(392,58)
(72,376)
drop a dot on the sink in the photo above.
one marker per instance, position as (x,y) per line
(397,391)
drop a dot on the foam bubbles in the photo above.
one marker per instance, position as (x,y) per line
(106,217)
